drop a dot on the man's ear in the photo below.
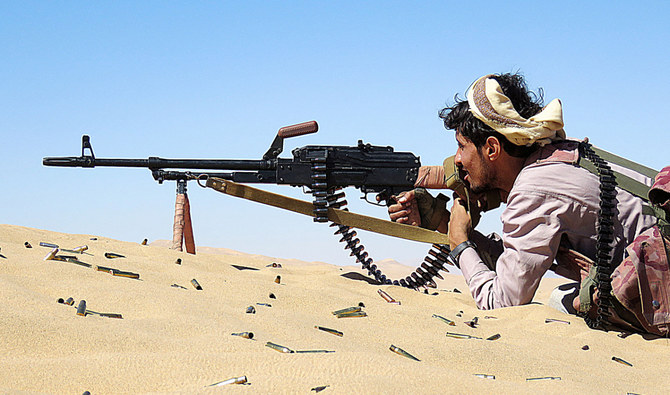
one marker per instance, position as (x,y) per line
(492,148)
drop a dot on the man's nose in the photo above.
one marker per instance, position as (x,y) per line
(457,158)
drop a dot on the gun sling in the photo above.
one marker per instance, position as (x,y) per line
(338,216)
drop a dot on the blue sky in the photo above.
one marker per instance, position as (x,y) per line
(217,79)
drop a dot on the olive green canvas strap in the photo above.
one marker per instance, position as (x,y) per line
(341,217)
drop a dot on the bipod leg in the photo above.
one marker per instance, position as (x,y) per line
(182,228)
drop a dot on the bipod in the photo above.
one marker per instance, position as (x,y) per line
(183,228)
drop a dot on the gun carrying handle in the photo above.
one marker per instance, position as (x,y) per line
(298,130)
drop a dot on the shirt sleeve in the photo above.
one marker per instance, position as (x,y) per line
(531,234)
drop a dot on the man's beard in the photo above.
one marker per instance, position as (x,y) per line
(488,176)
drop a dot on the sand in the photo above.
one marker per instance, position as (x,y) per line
(178,340)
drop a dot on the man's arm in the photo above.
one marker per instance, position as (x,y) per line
(531,234)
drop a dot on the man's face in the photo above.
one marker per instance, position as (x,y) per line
(479,172)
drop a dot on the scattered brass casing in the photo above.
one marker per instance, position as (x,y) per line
(144,242)
(543,378)
(69,301)
(279,348)
(402,352)
(196,284)
(445,320)
(486,376)
(494,337)
(387,297)
(27,245)
(81,309)
(112,255)
(461,336)
(347,310)
(234,380)
(331,331)
(278,279)
(621,361)
(51,255)
(246,335)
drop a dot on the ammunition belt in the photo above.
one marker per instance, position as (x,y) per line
(605,237)
(423,276)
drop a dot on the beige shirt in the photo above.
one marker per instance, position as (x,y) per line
(548,201)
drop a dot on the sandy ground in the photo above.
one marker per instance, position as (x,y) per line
(178,340)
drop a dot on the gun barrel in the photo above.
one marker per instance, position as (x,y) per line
(161,163)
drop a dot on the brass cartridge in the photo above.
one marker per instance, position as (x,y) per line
(112,255)
(27,245)
(494,337)
(445,320)
(51,255)
(196,284)
(461,336)
(486,376)
(278,279)
(81,309)
(69,301)
(543,378)
(402,352)
(347,310)
(621,361)
(234,380)
(279,348)
(331,331)
(387,297)
(352,314)
(144,242)
(246,335)
(120,273)
(49,245)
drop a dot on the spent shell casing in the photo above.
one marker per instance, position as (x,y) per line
(319,388)
(234,380)
(80,249)
(272,296)
(69,302)
(120,273)
(461,336)
(60,300)
(264,304)
(331,331)
(621,361)
(27,245)
(543,378)
(494,337)
(387,297)
(178,261)
(251,310)
(112,255)
(246,335)
(279,348)
(178,286)
(549,320)
(445,320)
(81,309)
(144,242)
(49,245)
(402,352)
(111,315)
(352,314)
(313,351)
(105,269)
(347,310)
(196,284)
(485,376)
(278,279)
(51,255)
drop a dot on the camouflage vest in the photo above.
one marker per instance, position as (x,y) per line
(640,284)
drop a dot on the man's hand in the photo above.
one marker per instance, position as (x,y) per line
(405,210)
(459,223)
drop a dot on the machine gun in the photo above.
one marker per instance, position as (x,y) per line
(323,169)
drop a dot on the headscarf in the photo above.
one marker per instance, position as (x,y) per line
(489,105)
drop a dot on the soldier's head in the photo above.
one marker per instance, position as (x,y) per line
(500,118)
